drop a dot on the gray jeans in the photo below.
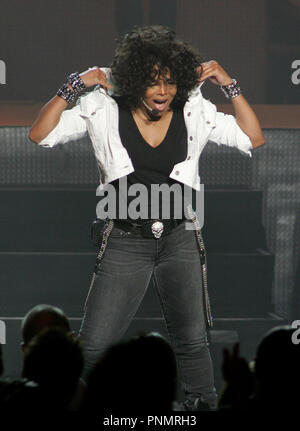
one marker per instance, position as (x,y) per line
(126,268)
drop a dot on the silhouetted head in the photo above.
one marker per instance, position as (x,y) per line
(40,317)
(54,360)
(277,365)
(138,375)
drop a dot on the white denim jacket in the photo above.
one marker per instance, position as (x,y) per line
(97,114)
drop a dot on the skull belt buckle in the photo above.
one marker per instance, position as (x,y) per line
(157,229)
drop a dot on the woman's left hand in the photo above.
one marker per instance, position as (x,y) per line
(214,72)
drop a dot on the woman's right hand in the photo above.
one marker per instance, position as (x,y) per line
(50,113)
(95,76)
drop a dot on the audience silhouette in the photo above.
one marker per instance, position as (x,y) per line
(40,317)
(138,376)
(269,385)
(54,360)
(134,376)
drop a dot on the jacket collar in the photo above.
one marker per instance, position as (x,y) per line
(97,98)
(195,96)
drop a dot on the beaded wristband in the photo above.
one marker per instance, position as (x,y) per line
(231,90)
(76,83)
(66,93)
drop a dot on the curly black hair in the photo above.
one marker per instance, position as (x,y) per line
(145,47)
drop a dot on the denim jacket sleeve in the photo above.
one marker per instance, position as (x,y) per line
(226,131)
(71,126)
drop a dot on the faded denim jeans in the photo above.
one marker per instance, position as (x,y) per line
(126,268)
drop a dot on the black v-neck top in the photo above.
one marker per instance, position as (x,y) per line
(152,165)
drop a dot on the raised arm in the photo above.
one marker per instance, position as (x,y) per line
(244,114)
(50,113)
(47,119)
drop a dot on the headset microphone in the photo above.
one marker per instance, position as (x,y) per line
(153,111)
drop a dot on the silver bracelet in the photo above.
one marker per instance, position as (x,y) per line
(76,82)
(231,90)
(65,93)
(77,85)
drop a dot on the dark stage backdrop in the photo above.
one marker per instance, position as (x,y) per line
(43,41)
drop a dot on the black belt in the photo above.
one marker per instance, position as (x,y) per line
(149,228)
